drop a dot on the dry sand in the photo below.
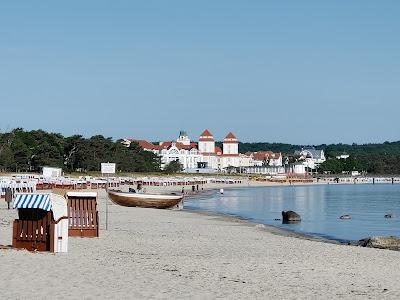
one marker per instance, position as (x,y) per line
(167,254)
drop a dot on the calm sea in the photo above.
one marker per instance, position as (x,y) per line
(320,207)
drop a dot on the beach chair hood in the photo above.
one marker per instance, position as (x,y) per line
(56,203)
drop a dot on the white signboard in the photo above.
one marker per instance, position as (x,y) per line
(108,168)
(52,172)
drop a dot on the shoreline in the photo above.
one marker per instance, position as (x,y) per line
(250,184)
(276,229)
(268,227)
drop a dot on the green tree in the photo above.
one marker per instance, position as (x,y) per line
(173,167)
(6,159)
(333,165)
(22,156)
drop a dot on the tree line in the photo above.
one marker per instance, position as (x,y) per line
(373,164)
(29,151)
(329,149)
(374,158)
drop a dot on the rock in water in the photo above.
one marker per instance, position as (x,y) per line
(381,242)
(290,217)
(388,216)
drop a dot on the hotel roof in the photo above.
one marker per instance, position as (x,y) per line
(145,144)
(230,139)
(206,133)
(206,136)
(230,136)
(262,155)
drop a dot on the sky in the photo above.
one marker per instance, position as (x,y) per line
(301,72)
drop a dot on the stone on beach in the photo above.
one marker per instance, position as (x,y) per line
(290,216)
(381,242)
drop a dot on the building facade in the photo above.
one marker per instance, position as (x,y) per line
(205,156)
(310,157)
(197,156)
(265,158)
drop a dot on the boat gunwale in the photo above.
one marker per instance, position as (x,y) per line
(146,196)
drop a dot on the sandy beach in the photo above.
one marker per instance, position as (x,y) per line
(245,182)
(165,254)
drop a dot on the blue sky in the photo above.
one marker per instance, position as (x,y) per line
(304,72)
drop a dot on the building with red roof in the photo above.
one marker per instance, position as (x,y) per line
(265,158)
(206,136)
(207,143)
(192,155)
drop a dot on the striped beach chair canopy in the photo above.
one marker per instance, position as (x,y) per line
(41,201)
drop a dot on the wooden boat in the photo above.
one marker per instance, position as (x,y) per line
(144,200)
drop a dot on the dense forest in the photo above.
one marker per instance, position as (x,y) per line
(24,151)
(371,158)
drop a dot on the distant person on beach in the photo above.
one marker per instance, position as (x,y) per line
(8,196)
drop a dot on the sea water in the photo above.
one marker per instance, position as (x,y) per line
(319,206)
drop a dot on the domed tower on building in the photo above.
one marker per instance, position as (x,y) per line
(230,145)
(206,142)
(183,138)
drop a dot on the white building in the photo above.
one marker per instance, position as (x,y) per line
(205,157)
(183,138)
(296,169)
(202,155)
(208,151)
(245,160)
(230,154)
(310,157)
(265,158)
(265,170)
(215,157)
(343,156)
(187,154)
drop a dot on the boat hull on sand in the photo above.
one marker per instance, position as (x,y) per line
(144,200)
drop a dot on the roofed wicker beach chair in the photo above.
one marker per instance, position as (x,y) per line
(42,223)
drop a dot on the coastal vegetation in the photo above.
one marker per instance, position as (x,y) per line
(378,158)
(332,150)
(173,167)
(25,151)
(28,151)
